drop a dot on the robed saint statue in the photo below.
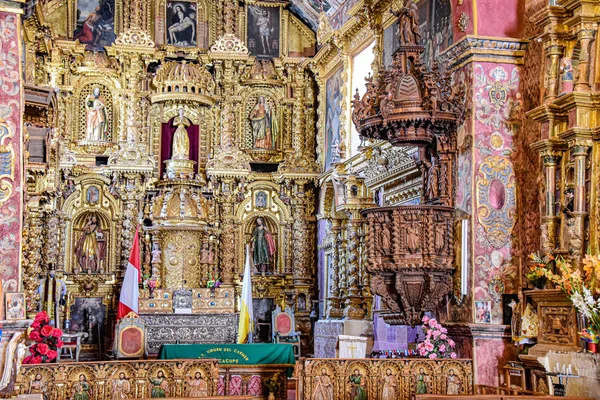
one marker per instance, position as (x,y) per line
(263,246)
(181,140)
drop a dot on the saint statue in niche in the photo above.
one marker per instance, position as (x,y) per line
(263,246)
(90,246)
(264,125)
(81,389)
(197,386)
(160,386)
(323,387)
(453,383)
(357,389)
(121,387)
(422,380)
(181,141)
(96,116)
(389,386)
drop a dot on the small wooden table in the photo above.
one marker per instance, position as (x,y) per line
(71,341)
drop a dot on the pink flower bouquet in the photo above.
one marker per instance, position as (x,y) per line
(437,344)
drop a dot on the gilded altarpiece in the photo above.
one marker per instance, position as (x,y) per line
(105,172)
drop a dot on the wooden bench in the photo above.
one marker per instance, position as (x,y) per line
(493,397)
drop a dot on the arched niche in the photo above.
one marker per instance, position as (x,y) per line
(83,92)
(91,197)
(276,215)
(200,117)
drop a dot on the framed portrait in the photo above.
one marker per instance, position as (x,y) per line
(483,312)
(333,112)
(95,24)
(92,195)
(182,24)
(15,306)
(263,31)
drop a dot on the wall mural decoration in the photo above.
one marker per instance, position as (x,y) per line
(435,18)
(333,111)
(263,31)
(10,151)
(497,101)
(95,23)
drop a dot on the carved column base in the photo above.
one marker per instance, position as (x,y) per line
(354,308)
(334,308)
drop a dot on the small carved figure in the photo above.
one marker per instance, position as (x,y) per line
(422,378)
(566,75)
(386,239)
(412,236)
(38,386)
(439,233)
(357,389)
(121,387)
(197,386)
(81,389)
(408,24)
(156,253)
(453,383)
(432,189)
(160,386)
(390,385)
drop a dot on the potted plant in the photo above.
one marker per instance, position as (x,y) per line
(273,384)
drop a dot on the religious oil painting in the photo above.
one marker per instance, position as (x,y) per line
(333,112)
(95,23)
(15,306)
(483,312)
(87,315)
(263,31)
(182,23)
(435,22)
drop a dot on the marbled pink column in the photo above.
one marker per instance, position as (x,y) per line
(11,141)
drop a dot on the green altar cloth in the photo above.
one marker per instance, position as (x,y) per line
(232,354)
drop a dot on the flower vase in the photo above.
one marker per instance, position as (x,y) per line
(151,290)
(271,396)
(592,347)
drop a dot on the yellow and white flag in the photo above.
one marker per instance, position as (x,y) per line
(246,312)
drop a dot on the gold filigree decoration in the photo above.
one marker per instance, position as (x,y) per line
(135,37)
(229,44)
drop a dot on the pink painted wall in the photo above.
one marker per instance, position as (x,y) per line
(500,18)
(11,125)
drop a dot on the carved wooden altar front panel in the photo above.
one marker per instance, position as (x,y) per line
(130,379)
(383,379)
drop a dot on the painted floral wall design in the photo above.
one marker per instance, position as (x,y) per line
(10,150)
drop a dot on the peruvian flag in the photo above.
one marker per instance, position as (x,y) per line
(130,290)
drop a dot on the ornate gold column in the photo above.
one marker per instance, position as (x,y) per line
(227,253)
(585,36)
(554,53)
(353,309)
(549,217)
(576,227)
(334,309)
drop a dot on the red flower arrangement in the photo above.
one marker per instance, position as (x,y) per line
(46,338)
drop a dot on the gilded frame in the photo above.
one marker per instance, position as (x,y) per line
(283,24)
(72,17)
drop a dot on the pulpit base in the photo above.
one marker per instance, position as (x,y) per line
(188,329)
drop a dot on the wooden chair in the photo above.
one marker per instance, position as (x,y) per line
(283,329)
(130,340)
(71,341)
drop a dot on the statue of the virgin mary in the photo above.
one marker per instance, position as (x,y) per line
(181,141)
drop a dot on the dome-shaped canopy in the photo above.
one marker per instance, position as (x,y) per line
(176,79)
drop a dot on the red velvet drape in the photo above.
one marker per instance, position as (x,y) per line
(166,143)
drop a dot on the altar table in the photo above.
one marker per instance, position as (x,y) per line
(228,354)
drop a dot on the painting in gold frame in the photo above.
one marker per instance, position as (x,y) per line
(15,306)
